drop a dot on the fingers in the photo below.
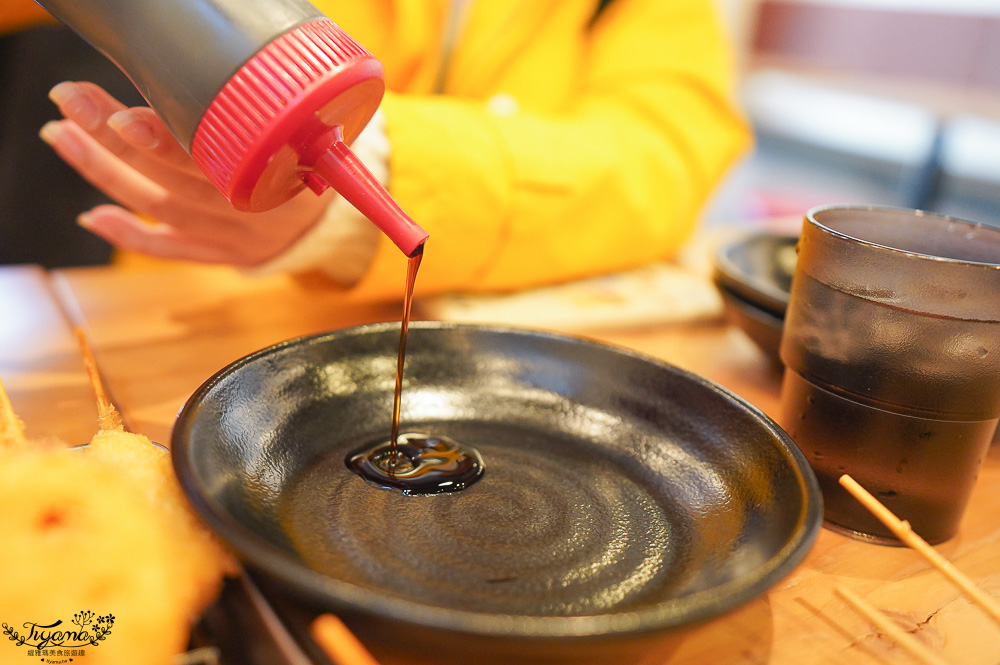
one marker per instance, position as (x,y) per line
(141,128)
(245,240)
(175,205)
(128,231)
(89,106)
(153,192)
(137,137)
(101,168)
(84,103)
(130,155)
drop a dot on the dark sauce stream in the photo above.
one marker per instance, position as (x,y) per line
(415,463)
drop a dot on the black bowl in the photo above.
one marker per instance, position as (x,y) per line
(624,500)
(754,277)
(758,269)
(760,325)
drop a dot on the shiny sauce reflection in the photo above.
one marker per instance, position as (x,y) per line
(415,463)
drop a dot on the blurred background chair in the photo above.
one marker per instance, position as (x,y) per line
(868,101)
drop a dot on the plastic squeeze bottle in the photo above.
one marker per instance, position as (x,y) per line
(266,95)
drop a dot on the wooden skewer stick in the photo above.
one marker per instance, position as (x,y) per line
(108,418)
(339,642)
(902,638)
(909,537)
(11,427)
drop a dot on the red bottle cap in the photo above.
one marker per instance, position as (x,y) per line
(260,139)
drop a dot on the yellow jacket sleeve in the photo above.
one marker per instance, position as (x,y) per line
(519,185)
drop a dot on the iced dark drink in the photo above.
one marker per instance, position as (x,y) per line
(892,355)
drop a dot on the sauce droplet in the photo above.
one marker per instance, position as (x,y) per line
(419,464)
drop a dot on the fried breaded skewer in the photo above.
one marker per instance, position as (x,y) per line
(105,528)
(108,418)
(73,532)
(200,562)
(11,427)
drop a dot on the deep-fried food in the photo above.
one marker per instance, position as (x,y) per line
(199,560)
(11,427)
(104,529)
(75,539)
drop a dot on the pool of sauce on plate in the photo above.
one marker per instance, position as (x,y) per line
(415,463)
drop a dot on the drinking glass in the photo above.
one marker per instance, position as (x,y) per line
(891,345)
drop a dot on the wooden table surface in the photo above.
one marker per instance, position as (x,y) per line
(159,333)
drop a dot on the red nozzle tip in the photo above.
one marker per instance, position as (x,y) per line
(343,171)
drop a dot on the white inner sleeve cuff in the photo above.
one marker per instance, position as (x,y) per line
(342,243)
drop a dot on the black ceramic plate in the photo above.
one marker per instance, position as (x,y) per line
(758,269)
(622,496)
(760,325)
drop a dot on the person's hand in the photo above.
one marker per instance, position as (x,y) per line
(170,210)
